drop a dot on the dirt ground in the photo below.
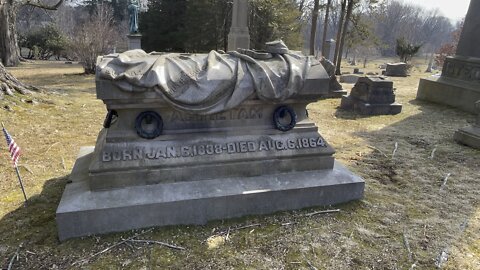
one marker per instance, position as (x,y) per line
(407,220)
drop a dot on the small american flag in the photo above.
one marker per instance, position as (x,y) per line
(12,147)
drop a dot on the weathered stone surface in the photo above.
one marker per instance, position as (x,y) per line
(470,135)
(84,212)
(372,95)
(396,69)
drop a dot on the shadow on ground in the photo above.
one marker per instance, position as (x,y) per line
(33,224)
(423,185)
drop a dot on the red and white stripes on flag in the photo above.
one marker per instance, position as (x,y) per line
(12,147)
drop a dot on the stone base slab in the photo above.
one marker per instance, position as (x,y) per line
(456,93)
(468,136)
(349,103)
(83,212)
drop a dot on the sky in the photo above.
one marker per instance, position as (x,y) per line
(453,9)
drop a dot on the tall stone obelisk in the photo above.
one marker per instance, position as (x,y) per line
(459,85)
(238,36)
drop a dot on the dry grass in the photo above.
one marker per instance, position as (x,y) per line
(403,198)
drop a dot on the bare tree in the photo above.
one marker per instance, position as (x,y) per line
(341,44)
(95,37)
(339,30)
(325,26)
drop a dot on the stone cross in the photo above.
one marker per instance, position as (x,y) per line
(238,36)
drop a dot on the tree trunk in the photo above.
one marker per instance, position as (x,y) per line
(313,33)
(9,51)
(430,63)
(339,31)
(325,27)
(10,85)
(344,34)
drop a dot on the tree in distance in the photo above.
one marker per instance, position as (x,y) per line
(406,50)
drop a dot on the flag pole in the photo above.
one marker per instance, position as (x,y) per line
(21,184)
(19,177)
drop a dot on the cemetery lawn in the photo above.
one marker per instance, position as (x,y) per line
(411,214)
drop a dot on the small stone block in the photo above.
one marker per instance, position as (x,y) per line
(469,136)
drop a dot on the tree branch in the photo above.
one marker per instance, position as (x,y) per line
(39,4)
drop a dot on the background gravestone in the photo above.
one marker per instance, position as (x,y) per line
(396,69)
(238,36)
(459,83)
(329,49)
(372,95)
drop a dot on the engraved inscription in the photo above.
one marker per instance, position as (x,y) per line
(208,149)
(462,70)
(233,114)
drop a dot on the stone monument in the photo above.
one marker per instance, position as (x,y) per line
(195,137)
(470,135)
(372,95)
(134,37)
(238,36)
(459,83)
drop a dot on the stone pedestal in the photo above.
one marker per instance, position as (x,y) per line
(84,212)
(239,36)
(134,41)
(470,135)
(459,84)
(372,96)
